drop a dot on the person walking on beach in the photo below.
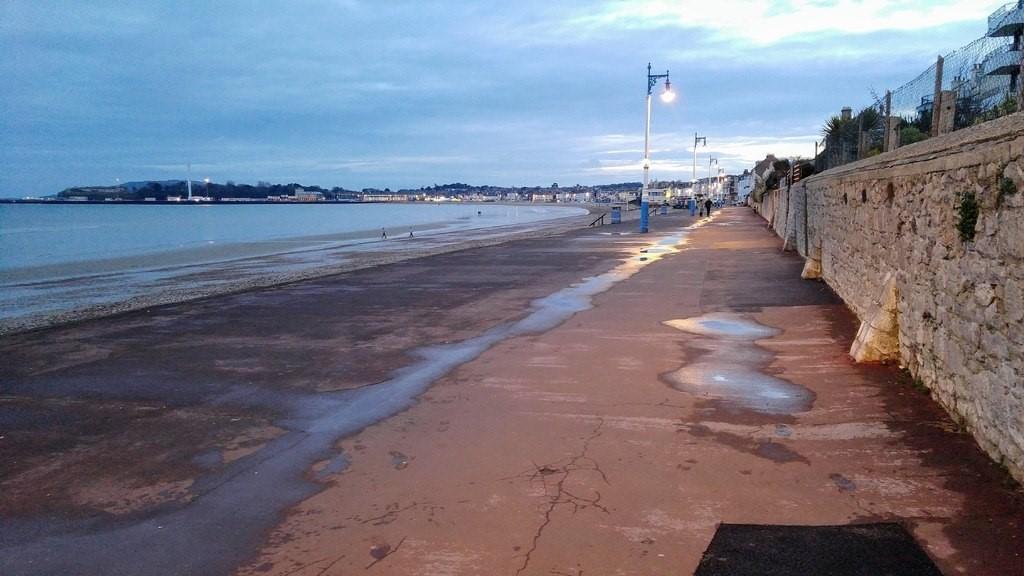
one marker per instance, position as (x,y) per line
(708,204)
(383,234)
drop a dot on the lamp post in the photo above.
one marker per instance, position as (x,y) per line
(666,96)
(696,140)
(710,162)
(693,183)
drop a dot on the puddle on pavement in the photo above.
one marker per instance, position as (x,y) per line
(724,325)
(731,368)
(749,389)
(778,453)
(399,461)
(843,483)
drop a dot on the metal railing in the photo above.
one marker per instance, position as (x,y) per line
(1001,60)
(975,83)
(1008,14)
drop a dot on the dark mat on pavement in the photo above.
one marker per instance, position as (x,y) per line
(857,550)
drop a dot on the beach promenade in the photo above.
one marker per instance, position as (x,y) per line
(591,403)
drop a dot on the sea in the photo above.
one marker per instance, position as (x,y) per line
(58,258)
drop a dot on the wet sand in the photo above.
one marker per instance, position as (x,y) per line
(557,412)
(45,296)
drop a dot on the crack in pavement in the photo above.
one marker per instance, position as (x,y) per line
(387,517)
(560,494)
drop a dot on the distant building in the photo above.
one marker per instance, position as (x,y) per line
(1007,22)
(384,197)
(657,195)
(308,196)
(744,186)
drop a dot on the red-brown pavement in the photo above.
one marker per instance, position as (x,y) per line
(615,443)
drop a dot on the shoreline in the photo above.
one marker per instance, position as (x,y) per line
(357,257)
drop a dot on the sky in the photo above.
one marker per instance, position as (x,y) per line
(404,94)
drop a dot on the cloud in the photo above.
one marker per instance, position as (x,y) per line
(673,158)
(767,23)
(308,165)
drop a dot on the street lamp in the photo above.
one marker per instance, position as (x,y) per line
(710,162)
(667,96)
(693,183)
(696,140)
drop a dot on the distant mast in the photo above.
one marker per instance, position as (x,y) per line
(190,181)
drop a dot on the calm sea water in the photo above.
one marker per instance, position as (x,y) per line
(33,235)
(57,259)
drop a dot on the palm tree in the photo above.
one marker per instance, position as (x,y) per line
(840,134)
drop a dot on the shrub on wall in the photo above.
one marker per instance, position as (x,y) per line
(968,216)
(911,135)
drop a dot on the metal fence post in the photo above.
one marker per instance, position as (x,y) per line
(1020,85)
(947,117)
(937,97)
(861,152)
(886,113)
(892,134)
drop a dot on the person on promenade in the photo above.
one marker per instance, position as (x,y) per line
(707,205)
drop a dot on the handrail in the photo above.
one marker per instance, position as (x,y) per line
(598,219)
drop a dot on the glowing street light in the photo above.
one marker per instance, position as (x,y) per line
(667,96)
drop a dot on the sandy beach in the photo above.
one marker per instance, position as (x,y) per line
(112,286)
(594,401)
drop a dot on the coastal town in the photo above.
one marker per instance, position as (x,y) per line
(724,188)
(284,290)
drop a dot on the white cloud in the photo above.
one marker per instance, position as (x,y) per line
(306,164)
(770,22)
(673,158)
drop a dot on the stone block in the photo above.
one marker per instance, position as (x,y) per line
(878,337)
(812,269)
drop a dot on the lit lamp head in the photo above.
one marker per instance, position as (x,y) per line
(668,95)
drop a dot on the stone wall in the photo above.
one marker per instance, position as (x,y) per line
(884,233)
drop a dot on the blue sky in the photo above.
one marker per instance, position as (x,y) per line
(382,93)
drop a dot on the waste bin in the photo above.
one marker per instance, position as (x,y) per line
(664,210)
(616,215)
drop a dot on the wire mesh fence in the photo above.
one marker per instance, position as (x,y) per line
(974,83)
